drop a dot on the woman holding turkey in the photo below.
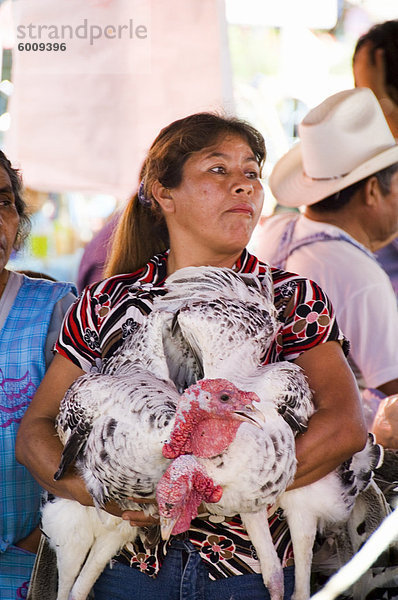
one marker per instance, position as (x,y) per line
(199,200)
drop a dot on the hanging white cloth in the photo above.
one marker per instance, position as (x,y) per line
(83,118)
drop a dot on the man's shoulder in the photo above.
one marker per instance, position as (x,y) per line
(278,220)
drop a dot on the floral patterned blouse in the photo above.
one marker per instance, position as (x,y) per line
(103,317)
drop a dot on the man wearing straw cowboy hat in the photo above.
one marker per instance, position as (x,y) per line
(344,173)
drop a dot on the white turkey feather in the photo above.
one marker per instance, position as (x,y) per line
(152,346)
(214,323)
(114,427)
(229,325)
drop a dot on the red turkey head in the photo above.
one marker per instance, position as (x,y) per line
(180,492)
(208,416)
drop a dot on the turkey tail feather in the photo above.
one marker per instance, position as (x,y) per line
(70,452)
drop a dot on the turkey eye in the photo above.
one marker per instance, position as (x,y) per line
(224,397)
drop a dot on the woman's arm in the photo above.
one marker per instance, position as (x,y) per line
(37,445)
(337,430)
(39,448)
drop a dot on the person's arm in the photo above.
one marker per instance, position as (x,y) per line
(37,445)
(39,448)
(337,430)
(371,74)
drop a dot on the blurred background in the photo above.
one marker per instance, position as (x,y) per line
(78,120)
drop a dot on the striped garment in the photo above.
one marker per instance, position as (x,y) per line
(22,367)
(105,315)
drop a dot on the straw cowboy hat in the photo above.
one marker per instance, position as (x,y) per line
(343,140)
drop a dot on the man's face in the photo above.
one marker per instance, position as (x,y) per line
(389,215)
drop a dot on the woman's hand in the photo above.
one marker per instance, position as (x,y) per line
(385,424)
(138,518)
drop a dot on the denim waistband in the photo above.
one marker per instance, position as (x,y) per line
(184,545)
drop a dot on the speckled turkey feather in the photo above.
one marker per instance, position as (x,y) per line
(132,412)
(255,469)
(228,320)
(210,323)
(229,334)
(113,428)
(152,346)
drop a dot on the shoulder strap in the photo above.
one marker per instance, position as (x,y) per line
(283,250)
(286,245)
(10,293)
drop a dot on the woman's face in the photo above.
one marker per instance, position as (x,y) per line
(218,203)
(9,218)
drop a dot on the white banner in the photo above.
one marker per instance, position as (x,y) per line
(84,114)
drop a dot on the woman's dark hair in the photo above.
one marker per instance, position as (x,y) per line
(337,201)
(20,204)
(142,230)
(176,142)
(384,35)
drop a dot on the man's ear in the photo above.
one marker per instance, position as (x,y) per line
(163,196)
(373,192)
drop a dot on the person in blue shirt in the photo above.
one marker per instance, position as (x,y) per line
(31,311)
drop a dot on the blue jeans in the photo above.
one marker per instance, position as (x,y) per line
(183,576)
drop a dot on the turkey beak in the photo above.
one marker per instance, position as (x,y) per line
(250,414)
(166,527)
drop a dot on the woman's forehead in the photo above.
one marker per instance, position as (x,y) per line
(225,145)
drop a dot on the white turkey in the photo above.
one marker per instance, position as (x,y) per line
(114,428)
(215,323)
(229,321)
(102,404)
(254,471)
(92,398)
